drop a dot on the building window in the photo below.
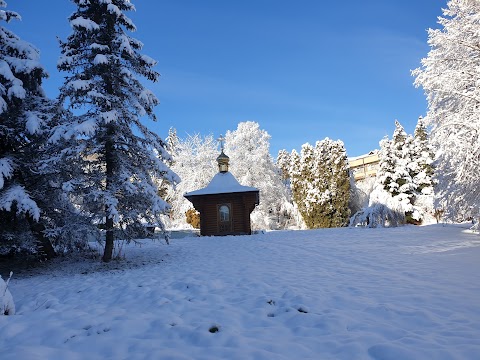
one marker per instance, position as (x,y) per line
(224,218)
(224,212)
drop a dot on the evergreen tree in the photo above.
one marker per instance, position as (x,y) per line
(295,181)
(321,184)
(423,171)
(117,154)
(283,163)
(300,177)
(339,189)
(297,184)
(172,141)
(172,144)
(24,113)
(386,166)
(384,208)
(423,157)
(403,189)
(398,180)
(449,76)
(294,171)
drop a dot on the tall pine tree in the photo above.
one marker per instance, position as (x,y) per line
(398,157)
(118,155)
(423,156)
(24,116)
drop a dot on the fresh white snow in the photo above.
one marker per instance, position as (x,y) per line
(100,59)
(220,184)
(84,23)
(350,293)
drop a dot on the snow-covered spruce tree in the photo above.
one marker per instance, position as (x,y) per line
(423,170)
(118,154)
(301,178)
(403,184)
(384,209)
(450,77)
(24,112)
(251,163)
(335,158)
(321,186)
(162,183)
(423,157)
(295,173)
(398,179)
(283,163)
(195,162)
(172,141)
(297,186)
(67,226)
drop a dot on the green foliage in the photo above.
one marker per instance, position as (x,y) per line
(321,184)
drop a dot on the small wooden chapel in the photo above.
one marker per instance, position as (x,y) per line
(224,205)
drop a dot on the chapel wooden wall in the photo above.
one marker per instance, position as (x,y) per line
(242,204)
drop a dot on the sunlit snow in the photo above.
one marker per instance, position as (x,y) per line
(402,293)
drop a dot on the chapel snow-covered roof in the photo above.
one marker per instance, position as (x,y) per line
(222,183)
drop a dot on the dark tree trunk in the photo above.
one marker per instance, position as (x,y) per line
(109,164)
(44,246)
(108,251)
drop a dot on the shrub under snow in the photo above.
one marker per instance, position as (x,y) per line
(382,211)
(7,306)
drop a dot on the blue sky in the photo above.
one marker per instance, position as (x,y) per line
(304,70)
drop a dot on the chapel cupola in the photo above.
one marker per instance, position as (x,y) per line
(222,159)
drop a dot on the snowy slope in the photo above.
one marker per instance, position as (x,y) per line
(404,293)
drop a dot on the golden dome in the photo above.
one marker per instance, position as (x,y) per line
(222,161)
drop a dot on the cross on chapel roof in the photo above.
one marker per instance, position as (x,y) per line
(221,140)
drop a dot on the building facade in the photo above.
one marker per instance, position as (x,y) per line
(365,165)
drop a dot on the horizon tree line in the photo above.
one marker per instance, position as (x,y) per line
(84,163)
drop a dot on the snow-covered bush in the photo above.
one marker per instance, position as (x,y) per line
(383,210)
(476,225)
(7,306)
(360,193)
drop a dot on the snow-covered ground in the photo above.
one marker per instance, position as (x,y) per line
(403,293)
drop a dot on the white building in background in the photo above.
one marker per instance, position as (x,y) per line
(364,166)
